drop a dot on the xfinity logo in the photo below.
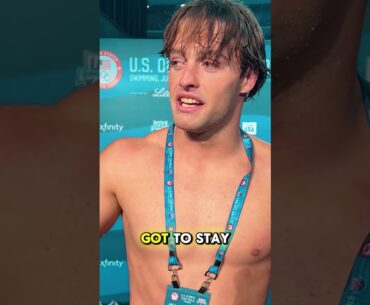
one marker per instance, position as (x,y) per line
(110,127)
(250,127)
(107,263)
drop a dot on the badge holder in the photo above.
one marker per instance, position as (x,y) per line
(186,296)
(176,295)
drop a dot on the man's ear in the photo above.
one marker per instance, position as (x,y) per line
(248,81)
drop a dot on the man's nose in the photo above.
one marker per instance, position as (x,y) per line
(189,77)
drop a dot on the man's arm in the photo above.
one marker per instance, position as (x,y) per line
(109,207)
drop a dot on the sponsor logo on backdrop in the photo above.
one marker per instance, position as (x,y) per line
(110,69)
(105,127)
(89,72)
(111,263)
(250,127)
(161,92)
(159,125)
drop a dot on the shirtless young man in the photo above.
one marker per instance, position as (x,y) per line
(217,60)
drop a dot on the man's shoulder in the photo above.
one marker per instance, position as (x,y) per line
(132,150)
(262,150)
(262,162)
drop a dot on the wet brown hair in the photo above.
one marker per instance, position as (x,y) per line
(218,25)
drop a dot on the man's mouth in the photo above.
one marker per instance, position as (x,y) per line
(189,102)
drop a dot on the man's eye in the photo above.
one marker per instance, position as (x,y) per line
(175,62)
(210,63)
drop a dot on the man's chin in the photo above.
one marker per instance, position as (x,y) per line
(188,126)
(191,127)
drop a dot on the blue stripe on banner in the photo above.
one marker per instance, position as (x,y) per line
(114,277)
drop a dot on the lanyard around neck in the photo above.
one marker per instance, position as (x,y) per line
(174,263)
(357,290)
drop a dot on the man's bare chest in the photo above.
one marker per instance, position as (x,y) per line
(202,204)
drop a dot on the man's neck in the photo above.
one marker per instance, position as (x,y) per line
(209,145)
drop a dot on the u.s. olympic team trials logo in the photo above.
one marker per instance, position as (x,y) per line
(110,69)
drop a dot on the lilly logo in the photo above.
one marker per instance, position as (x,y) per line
(161,92)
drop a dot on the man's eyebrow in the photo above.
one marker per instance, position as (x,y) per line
(201,54)
(177,52)
(212,54)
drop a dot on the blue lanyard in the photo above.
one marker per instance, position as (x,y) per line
(365,90)
(173,262)
(357,290)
